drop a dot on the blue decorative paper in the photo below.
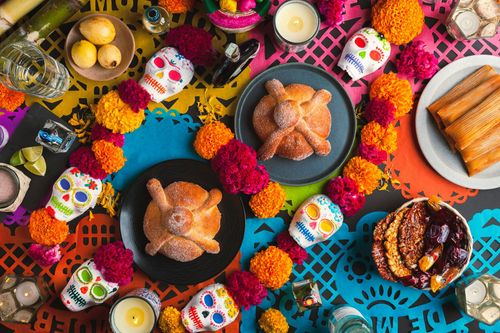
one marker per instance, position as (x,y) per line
(164,135)
(345,273)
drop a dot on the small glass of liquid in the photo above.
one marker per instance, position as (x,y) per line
(24,67)
(156,20)
(55,137)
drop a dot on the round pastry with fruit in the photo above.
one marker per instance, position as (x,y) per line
(425,244)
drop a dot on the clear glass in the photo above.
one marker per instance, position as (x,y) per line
(346,319)
(473,19)
(21,297)
(156,20)
(480,297)
(306,294)
(24,67)
(56,137)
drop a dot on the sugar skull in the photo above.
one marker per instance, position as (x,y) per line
(315,221)
(87,287)
(211,309)
(73,194)
(167,73)
(365,52)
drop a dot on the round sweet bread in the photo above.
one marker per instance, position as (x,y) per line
(301,128)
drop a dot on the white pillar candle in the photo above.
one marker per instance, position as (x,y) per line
(132,315)
(468,22)
(27,293)
(476,292)
(296,21)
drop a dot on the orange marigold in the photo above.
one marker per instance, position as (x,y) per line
(272,267)
(273,321)
(45,229)
(10,99)
(366,174)
(210,138)
(400,21)
(268,202)
(108,155)
(116,115)
(384,138)
(395,90)
(170,321)
(177,6)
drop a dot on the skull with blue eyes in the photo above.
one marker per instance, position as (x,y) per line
(73,194)
(211,309)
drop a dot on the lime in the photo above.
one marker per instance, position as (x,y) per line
(17,158)
(32,153)
(39,167)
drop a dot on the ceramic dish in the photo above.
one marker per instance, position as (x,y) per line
(468,234)
(342,134)
(124,41)
(431,141)
(159,267)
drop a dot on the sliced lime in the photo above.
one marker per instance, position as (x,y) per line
(17,158)
(39,167)
(32,153)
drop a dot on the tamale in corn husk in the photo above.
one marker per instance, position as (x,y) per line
(471,99)
(483,162)
(483,145)
(476,122)
(469,83)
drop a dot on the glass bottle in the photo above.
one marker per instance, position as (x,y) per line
(473,19)
(346,319)
(24,67)
(156,20)
(480,298)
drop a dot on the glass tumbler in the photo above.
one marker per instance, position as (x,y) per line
(24,67)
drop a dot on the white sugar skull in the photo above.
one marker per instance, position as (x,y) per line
(315,221)
(211,309)
(365,52)
(73,194)
(87,287)
(167,73)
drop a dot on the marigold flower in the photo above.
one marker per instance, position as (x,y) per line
(273,321)
(177,6)
(366,174)
(381,111)
(415,61)
(272,267)
(170,321)
(395,90)
(10,99)
(114,114)
(400,21)
(268,202)
(109,156)
(210,138)
(45,229)
(384,138)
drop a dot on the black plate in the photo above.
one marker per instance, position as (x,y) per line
(159,267)
(342,135)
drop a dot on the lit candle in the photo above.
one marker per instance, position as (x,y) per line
(475,292)
(468,22)
(296,23)
(27,293)
(132,315)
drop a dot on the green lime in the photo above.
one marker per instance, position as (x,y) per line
(32,153)
(17,158)
(39,167)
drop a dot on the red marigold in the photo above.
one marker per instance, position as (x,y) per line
(246,289)
(115,262)
(193,43)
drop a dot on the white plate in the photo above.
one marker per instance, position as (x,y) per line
(431,141)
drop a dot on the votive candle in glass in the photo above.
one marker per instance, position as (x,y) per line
(136,312)
(296,24)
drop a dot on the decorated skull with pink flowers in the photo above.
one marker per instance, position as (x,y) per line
(87,287)
(73,193)
(365,52)
(166,74)
(211,309)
